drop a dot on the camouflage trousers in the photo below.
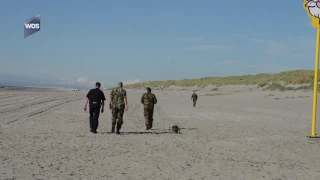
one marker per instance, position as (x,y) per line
(117,116)
(148,114)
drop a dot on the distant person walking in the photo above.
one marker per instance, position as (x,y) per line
(118,104)
(96,99)
(148,100)
(194,98)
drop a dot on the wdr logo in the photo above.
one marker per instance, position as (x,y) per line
(32,26)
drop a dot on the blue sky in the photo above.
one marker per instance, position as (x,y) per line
(81,42)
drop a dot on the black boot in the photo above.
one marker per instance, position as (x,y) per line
(112,129)
(118,128)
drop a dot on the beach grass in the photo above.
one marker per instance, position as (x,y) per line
(295,77)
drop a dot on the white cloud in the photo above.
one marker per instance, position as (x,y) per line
(170,14)
(209,47)
(293,48)
(266,68)
(192,38)
(258,41)
(82,82)
(228,62)
(86,82)
(275,48)
(131,82)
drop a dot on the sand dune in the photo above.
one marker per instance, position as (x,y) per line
(44,134)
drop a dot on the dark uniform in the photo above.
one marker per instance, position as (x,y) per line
(118,106)
(194,97)
(148,100)
(95,97)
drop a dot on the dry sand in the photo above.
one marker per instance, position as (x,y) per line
(44,134)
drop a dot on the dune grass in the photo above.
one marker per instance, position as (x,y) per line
(287,77)
(279,87)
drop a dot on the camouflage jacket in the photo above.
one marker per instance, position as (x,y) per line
(148,100)
(117,95)
(194,96)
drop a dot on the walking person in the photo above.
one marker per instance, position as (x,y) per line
(95,98)
(148,100)
(194,98)
(118,104)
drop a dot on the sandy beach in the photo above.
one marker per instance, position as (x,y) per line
(44,134)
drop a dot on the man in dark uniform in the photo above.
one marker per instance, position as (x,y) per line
(148,100)
(96,99)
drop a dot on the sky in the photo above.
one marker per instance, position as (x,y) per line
(81,42)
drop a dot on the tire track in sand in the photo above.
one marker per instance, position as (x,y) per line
(164,117)
(25,99)
(39,112)
(9,110)
(5,97)
(193,144)
(139,121)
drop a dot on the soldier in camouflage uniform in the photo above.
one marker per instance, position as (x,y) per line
(148,100)
(118,104)
(194,97)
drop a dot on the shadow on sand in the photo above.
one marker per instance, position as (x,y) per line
(136,133)
(154,131)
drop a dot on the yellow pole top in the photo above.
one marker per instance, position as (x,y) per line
(312,8)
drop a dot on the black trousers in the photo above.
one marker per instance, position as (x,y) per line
(94,111)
